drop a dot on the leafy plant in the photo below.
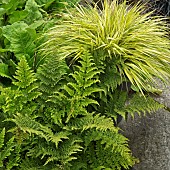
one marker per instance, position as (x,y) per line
(21,26)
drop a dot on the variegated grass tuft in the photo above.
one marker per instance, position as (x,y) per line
(135,42)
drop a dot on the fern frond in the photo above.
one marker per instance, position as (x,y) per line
(61,156)
(51,75)
(58,116)
(82,88)
(104,159)
(111,77)
(113,144)
(19,99)
(86,77)
(24,75)
(70,148)
(29,125)
(14,159)
(116,102)
(56,138)
(6,151)
(11,100)
(141,104)
(34,164)
(92,121)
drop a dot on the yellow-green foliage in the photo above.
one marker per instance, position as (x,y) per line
(63,117)
(134,43)
(62,132)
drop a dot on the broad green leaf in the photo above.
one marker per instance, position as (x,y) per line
(17,16)
(4,72)
(33,12)
(21,39)
(10,5)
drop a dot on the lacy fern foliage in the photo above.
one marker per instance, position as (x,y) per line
(140,104)
(18,98)
(9,150)
(52,76)
(84,85)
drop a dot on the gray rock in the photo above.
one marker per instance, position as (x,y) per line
(149,136)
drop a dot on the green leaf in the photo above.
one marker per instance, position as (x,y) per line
(17,16)
(4,72)
(36,24)
(10,5)
(33,12)
(21,39)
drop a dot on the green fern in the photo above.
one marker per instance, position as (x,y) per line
(29,163)
(24,75)
(31,126)
(83,87)
(64,150)
(5,149)
(2,135)
(110,145)
(61,156)
(139,104)
(72,126)
(96,128)
(18,98)
(115,101)
(111,77)
(14,158)
(92,121)
(52,76)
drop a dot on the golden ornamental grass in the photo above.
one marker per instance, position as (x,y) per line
(136,42)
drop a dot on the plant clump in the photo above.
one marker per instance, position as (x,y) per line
(135,43)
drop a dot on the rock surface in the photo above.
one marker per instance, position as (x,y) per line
(149,136)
